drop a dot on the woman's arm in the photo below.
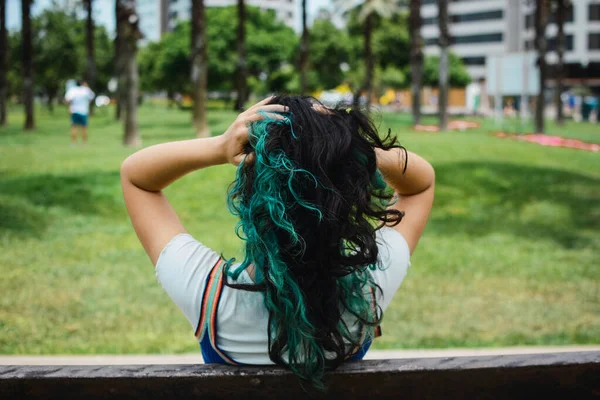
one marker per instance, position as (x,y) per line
(146,173)
(414,188)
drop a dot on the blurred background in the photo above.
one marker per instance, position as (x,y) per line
(501,96)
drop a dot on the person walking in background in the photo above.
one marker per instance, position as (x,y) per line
(79,98)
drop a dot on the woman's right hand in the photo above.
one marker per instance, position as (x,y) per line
(235,138)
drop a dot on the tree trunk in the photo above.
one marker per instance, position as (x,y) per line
(304,51)
(560,64)
(131,34)
(241,70)
(3,63)
(541,20)
(369,61)
(199,68)
(27,64)
(131,134)
(416,59)
(118,61)
(51,96)
(90,73)
(443,74)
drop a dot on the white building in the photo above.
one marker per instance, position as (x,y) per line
(159,16)
(483,28)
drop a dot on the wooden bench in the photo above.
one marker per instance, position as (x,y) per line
(566,376)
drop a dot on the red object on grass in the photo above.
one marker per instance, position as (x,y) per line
(553,141)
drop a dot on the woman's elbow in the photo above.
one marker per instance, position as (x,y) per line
(125,170)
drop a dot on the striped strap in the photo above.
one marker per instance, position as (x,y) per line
(378,331)
(210,305)
(363,334)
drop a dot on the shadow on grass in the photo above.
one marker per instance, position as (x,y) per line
(24,200)
(20,217)
(526,201)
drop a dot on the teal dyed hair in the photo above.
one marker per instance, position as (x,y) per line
(306,228)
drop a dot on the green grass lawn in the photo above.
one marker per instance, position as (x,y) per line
(511,255)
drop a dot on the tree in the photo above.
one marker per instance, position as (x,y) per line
(103,58)
(370,11)
(242,67)
(391,43)
(118,60)
(416,58)
(3,62)
(59,45)
(57,51)
(90,73)
(541,45)
(444,67)
(130,34)
(199,67)
(458,74)
(392,78)
(561,10)
(330,48)
(270,45)
(304,51)
(368,17)
(27,52)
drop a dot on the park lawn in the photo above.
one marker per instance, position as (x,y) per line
(509,257)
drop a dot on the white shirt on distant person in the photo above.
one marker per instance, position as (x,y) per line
(80,98)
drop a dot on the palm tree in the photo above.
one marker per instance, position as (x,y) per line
(130,34)
(443,81)
(369,20)
(369,11)
(90,74)
(27,63)
(118,61)
(561,10)
(199,68)
(241,70)
(416,58)
(3,63)
(541,45)
(304,51)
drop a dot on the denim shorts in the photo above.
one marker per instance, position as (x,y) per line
(78,119)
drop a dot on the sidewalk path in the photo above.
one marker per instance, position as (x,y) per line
(196,358)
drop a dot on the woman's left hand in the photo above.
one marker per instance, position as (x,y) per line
(236,138)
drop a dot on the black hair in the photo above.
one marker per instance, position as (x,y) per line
(309,206)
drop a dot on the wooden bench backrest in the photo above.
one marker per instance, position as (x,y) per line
(545,376)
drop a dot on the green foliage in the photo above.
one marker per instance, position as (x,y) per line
(56,55)
(391,44)
(269,43)
(60,53)
(166,65)
(329,48)
(393,78)
(459,77)
(104,53)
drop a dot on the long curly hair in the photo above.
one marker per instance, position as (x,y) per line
(309,205)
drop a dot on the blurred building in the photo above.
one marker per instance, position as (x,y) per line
(160,16)
(485,28)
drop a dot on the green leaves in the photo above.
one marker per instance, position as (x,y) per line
(270,46)
(59,53)
(459,77)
